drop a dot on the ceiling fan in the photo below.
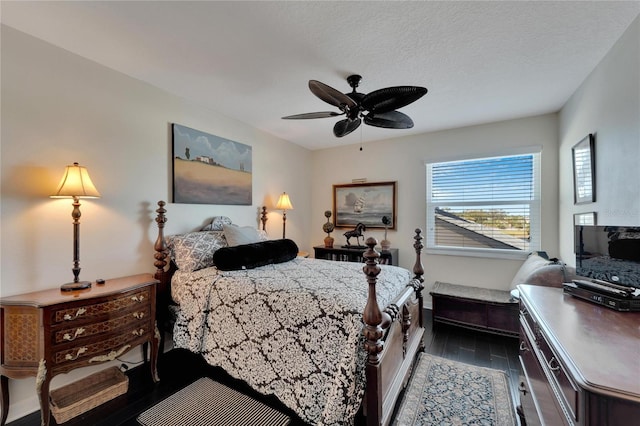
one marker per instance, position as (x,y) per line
(377,108)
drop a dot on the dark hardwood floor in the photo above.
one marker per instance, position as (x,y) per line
(178,368)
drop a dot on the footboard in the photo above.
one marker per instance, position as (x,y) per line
(393,338)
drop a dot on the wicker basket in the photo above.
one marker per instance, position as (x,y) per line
(81,396)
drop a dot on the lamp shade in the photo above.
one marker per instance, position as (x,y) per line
(284,203)
(76,183)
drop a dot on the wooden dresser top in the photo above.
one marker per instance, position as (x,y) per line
(55,296)
(600,346)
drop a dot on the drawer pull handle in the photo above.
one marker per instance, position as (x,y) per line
(523,347)
(111,355)
(70,357)
(555,368)
(138,299)
(138,315)
(138,333)
(68,317)
(78,332)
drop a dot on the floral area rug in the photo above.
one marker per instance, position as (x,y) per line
(445,392)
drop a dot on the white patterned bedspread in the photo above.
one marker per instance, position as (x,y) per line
(292,329)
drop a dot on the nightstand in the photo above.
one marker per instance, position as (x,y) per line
(49,332)
(387,257)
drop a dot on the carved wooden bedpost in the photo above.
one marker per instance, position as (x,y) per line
(163,293)
(373,332)
(160,246)
(418,271)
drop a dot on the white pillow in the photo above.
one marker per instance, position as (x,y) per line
(237,235)
(194,250)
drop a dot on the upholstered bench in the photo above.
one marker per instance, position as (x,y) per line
(493,311)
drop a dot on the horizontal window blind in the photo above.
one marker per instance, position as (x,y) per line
(486,203)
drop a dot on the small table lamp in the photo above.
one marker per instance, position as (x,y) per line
(284,204)
(76,184)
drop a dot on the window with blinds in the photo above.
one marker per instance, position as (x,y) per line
(484,204)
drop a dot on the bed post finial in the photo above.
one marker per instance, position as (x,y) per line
(263,217)
(418,269)
(160,246)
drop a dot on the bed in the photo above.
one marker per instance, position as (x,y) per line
(308,331)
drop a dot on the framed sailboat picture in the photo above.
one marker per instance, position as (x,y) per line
(364,203)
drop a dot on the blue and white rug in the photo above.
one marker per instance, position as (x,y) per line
(445,392)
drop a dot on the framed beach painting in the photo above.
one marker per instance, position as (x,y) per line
(364,203)
(208,169)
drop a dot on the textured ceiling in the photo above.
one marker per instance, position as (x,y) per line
(481,61)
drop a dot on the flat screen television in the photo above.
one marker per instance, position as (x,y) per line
(609,253)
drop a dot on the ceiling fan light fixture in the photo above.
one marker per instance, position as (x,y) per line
(381,106)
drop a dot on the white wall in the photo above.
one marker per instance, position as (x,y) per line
(402,160)
(608,105)
(58,108)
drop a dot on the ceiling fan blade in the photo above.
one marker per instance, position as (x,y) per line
(389,120)
(392,98)
(331,95)
(346,126)
(323,114)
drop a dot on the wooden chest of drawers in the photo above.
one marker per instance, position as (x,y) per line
(579,361)
(50,332)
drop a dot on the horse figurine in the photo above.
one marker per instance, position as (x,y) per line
(357,232)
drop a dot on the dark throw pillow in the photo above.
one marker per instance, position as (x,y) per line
(249,256)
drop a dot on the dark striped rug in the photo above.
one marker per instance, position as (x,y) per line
(209,403)
(445,392)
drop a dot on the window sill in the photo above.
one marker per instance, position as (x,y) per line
(469,252)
